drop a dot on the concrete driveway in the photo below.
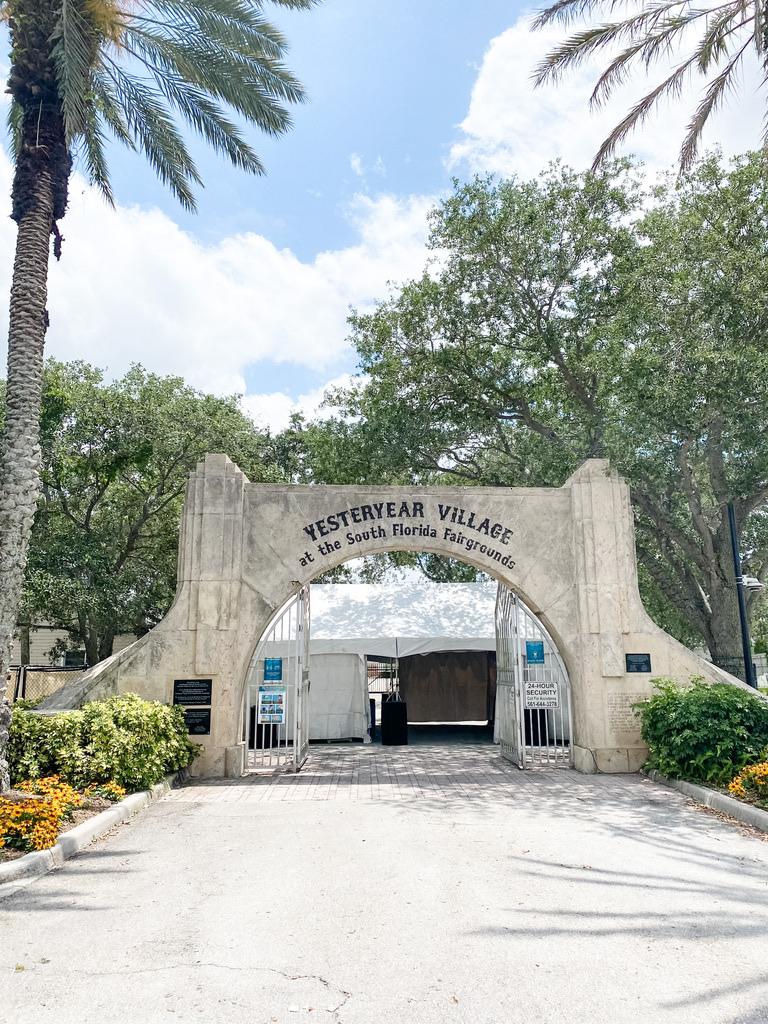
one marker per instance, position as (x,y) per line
(418,884)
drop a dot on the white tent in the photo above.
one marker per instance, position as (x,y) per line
(350,621)
(397,620)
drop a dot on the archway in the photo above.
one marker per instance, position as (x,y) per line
(245,548)
(440,646)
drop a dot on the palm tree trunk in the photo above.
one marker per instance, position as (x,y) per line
(20,465)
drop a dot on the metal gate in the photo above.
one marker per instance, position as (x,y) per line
(533,692)
(301,674)
(276,718)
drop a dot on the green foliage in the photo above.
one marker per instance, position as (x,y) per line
(380,568)
(125,739)
(582,316)
(718,38)
(122,69)
(116,459)
(440,569)
(759,630)
(496,368)
(663,611)
(705,733)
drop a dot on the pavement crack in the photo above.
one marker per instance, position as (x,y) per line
(334,990)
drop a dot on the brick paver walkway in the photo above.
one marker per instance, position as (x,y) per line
(372,772)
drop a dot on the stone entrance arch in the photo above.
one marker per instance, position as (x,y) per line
(245,548)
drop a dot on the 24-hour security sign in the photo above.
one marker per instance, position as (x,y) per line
(538,693)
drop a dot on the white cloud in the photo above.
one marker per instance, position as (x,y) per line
(361,170)
(133,287)
(512,128)
(275,410)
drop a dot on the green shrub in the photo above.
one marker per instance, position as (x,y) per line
(124,739)
(703,732)
(43,745)
(25,703)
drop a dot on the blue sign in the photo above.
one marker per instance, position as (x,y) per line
(273,668)
(534,652)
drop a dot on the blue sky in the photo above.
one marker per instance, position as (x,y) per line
(387,82)
(252,294)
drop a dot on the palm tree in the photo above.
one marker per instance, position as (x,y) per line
(722,33)
(80,70)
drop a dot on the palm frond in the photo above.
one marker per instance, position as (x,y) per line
(232,73)
(299,5)
(244,12)
(212,62)
(641,110)
(760,27)
(156,134)
(94,157)
(249,87)
(107,107)
(713,98)
(14,120)
(616,74)
(581,47)
(209,121)
(73,56)
(654,48)
(713,46)
(566,12)
(647,36)
(232,22)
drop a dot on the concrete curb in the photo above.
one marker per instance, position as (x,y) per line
(25,869)
(717,801)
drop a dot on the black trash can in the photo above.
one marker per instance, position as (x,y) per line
(394,723)
(260,736)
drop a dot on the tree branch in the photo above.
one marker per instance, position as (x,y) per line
(693,498)
(669,528)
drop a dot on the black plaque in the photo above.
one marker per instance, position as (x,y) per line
(192,691)
(198,721)
(638,662)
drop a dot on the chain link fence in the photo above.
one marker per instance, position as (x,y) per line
(733,665)
(33,682)
(736,667)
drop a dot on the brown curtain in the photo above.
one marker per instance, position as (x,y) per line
(446,686)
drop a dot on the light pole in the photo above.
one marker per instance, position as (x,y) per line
(746,646)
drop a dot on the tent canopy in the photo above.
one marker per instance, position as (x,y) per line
(398,620)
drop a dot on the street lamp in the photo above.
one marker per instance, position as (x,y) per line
(741,582)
